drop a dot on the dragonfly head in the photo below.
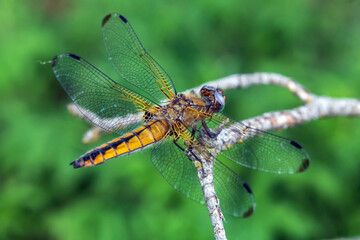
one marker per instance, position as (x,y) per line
(214,97)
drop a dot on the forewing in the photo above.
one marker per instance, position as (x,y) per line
(177,169)
(265,151)
(235,195)
(131,60)
(104,102)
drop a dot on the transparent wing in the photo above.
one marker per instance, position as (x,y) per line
(104,102)
(235,195)
(131,61)
(177,169)
(265,151)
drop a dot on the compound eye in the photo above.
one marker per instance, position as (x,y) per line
(221,92)
(207,90)
(219,102)
(203,92)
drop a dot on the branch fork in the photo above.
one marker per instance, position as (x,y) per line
(314,107)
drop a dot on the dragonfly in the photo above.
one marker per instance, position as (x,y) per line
(152,113)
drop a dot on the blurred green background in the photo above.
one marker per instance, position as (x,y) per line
(316,42)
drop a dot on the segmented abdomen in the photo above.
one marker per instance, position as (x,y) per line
(143,136)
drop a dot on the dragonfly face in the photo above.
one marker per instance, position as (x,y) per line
(143,119)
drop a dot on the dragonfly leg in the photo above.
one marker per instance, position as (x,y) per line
(193,132)
(198,160)
(175,142)
(209,132)
(188,149)
(182,149)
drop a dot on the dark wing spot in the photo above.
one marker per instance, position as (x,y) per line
(53,61)
(248,212)
(104,21)
(304,165)
(296,144)
(123,18)
(247,187)
(74,56)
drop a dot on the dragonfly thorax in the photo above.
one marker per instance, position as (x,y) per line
(188,110)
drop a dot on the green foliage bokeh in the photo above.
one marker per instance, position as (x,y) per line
(41,197)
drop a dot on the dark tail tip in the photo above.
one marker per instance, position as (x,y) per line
(78,163)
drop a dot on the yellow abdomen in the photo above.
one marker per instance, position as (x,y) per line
(140,138)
